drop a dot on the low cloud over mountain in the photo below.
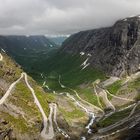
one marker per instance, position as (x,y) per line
(55,17)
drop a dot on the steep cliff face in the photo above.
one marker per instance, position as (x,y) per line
(114,49)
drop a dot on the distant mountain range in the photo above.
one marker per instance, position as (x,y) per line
(25,42)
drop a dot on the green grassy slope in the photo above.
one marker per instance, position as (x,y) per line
(19,112)
(69,67)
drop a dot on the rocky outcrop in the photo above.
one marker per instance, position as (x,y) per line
(115,50)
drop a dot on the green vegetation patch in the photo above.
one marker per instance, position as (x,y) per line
(113,89)
(43,97)
(70,69)
(88,95)
(54,84)
(102,102)
(22,97)
(73,113)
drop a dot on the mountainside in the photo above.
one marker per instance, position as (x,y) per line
(27,49)
(115,49)
(20,116)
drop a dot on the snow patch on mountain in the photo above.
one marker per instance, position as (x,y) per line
(82,53)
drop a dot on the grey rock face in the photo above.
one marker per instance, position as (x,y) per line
(115,50)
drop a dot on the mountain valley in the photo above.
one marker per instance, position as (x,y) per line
(86,89)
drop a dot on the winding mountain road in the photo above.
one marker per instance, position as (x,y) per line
(122,121)
(59,80)
(50,134)
(45,85)
(109,114)
(55,121)
(97,108)
(44,134)
(109,81)
(90,113)
(102,93)
(131,100)
(132,77)
(47,135)
(98,100)
(134,108)
(84,101)
(8,92)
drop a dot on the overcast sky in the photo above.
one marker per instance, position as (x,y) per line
(62,17)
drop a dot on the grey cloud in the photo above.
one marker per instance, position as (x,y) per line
(62,16)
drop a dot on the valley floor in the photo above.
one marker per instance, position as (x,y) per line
(102,109)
